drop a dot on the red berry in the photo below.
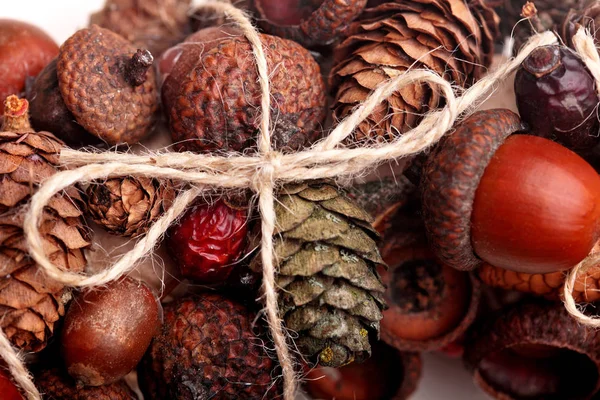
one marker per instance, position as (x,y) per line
(8,390)
(24,51)
(207,241)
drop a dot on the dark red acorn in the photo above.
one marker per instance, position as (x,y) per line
(523,203)
(207,241)
(7,388)
(557,97)
(24,51)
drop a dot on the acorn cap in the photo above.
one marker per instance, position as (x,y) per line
(450,179)
(107,85)
(540,338)
(312,22)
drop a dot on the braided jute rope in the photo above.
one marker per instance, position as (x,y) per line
(262,173)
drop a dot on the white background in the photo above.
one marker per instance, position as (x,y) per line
(443,378)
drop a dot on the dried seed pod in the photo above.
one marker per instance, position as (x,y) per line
(206,349)
(586,288)
(310,23)
(108,330)
(430,305)
(534,351)
(113,94)
(129,206)
(444,36)
(482,198)
(387,375)
(584,14)
(227,119)
(55,384)
(326,256)
(30,302)
(155,25)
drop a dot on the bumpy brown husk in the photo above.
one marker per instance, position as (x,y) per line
(30,302)
(97,92)
(531,323)
(216,104)
(445,36)
(207,350)
(155,25)
(326,255)
(328,20)
(128,206)
(55,384)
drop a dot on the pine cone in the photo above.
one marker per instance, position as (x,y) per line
(30,302)
(129,206)
(445,36)
(152,24)
(326,257)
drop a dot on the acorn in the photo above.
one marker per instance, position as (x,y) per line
(56,384)
(107,87)
(430,305)
(310,23)
(212,94)
(534,351)
(557,97)
(387,375)
(107,331)
(520,202)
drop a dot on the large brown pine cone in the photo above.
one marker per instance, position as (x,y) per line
(30,302)
(155,25)
(326,256)
(128,206)
(450,37)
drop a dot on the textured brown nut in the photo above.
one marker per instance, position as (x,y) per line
(128,206)
(586,288)
(450,179)
(108,330)
(309,23)
(218,105)
(541,335)
(55,384)
(94,82)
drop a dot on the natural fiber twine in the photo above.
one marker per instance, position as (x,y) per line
(263,172)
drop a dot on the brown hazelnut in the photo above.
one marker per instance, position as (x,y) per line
(534,351)
(107,330)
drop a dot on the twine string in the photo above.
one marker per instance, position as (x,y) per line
(260,173)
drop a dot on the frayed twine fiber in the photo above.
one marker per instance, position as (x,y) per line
(262,172)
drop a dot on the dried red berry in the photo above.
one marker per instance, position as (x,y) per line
(215,104)
(556,96)
(24,51)
(206,350)
(107,331)
(386,375)
(310,23)
(207,241)
(7,388)
(55,384)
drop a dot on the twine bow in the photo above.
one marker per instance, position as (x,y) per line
(262,173)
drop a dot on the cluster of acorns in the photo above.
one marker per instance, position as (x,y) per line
(466,253)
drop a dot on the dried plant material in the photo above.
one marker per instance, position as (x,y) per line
(446,36)
(152,24)
(584,14)
(128,206)
(30,302)
(332,294)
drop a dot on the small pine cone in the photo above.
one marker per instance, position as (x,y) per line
(30,302)
(331,294)
(56,384)
(129,206)
(452,38)
(206,350)
(152,24)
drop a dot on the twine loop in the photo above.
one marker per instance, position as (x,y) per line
(260,172)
